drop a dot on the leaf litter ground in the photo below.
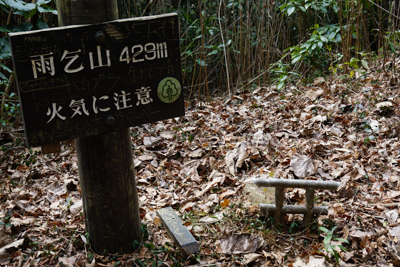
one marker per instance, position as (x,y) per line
(201,164)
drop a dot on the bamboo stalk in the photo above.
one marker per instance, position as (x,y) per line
(3,99)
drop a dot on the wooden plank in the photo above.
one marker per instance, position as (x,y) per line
(83,80)
(51,148)
(177,231)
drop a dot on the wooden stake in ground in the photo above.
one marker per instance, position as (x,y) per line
(109,193)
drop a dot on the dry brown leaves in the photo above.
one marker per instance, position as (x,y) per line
(197,164)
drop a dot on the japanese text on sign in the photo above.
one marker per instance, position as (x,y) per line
(45,63)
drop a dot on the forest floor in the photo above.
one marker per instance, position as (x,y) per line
(344,130)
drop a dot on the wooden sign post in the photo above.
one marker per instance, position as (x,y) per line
(92,82)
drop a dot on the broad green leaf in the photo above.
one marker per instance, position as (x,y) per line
(41,2)
(364,63)
(314,46)
(323,229)
(342,240)
(31,14)
(201,62)
(391,46)
(2,29)
(5,50)
(320,44)
(280,85)
(290,10)
(2,6)
(5,67)
(20,5)
(22,27)
(2,77)
(45,8)
(296,59)
(338,38)
(212,52)
(41,24)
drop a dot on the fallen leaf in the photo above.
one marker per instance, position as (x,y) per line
(302,166)
(239,243)
(224,203)
(248,258)
(314,94)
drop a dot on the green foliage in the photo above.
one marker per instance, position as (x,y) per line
(283,75)
(329,247)
(293,6)
(26,10)
(315,50)
(22,16)
(10,108)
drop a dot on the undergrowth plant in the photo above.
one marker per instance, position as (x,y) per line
(328,246)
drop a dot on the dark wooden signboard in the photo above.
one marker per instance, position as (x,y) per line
(79,81)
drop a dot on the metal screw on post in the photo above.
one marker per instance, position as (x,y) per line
(100,36)
(110,120)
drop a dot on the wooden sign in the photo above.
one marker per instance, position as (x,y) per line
(79,81)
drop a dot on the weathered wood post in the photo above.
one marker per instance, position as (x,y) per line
(109,193)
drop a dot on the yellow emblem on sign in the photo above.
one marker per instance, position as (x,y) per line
(169,90)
